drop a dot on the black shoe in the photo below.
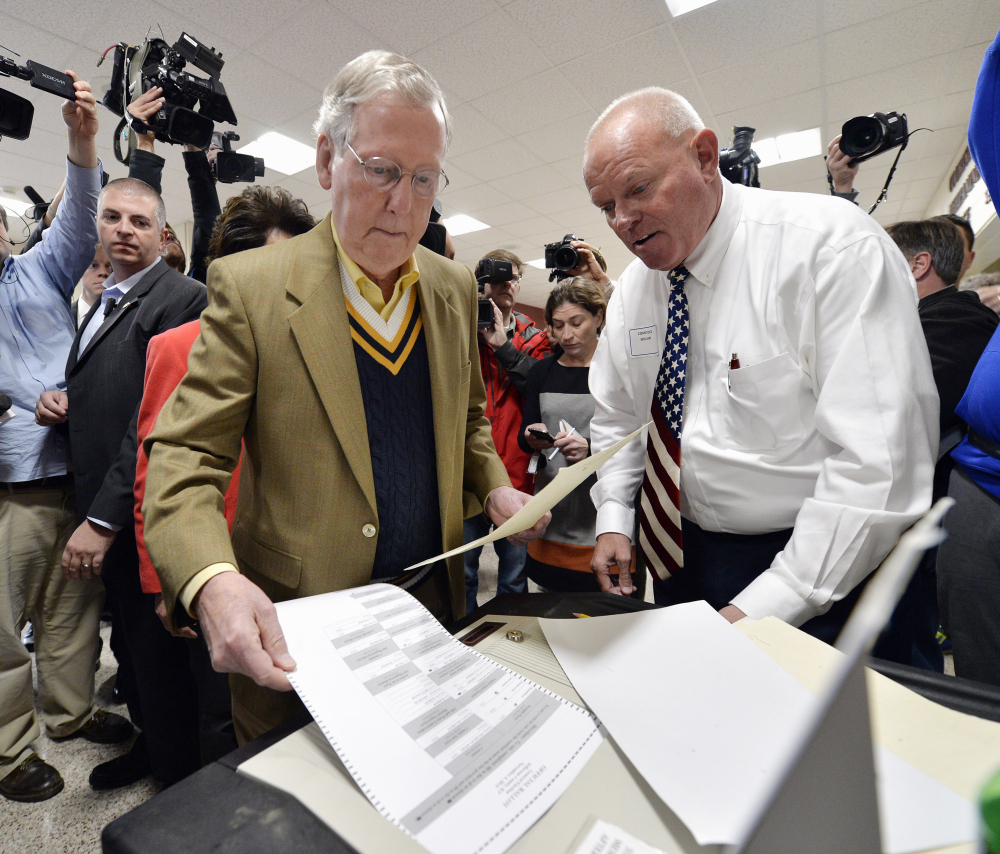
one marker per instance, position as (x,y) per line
(116,694)
(123,770)
(104,728)
(32,781)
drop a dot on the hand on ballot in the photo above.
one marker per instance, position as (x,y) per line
(242,631)
(613,550)
(503,502)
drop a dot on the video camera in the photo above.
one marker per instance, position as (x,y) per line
(562,256)
(739,163)
(16,113)
(865,137)
(496,272)
(231,167)
(156,64)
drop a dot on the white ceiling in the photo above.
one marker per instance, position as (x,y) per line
(526,78)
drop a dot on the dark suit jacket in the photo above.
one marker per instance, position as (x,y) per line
(105,382)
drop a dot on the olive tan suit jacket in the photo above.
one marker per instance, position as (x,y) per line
(274,365)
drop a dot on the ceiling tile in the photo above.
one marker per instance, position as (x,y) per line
(472,130)
(838,14)
(408,27)
(772,118)
(559,201)
(262,92)
(567,29)
(459,61)
(504,213)
(325,41)
(784,72)
(538,102)
(476,197)
(244,25)
(722,33)
(497,160)
(531,182)
(543,228)
(984,23)
(650,58)
(935,28)
(557,140)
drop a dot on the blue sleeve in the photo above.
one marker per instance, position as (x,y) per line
(984,124)
(67,246)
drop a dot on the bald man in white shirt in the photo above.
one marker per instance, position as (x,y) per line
(797,420)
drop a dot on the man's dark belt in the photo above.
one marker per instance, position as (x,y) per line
(58,481)
(987,446)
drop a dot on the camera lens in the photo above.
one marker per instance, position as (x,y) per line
(860,136)
(566,257)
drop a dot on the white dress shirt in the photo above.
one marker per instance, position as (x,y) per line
(112,290)
(829,426)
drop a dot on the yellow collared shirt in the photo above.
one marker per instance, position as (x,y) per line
(368,289)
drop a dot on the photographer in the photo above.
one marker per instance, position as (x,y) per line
(147,166)
(508,350)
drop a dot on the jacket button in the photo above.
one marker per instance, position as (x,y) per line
(368,531)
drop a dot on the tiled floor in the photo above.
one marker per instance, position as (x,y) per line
(72,821)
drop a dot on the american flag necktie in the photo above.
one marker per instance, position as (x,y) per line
(659,505)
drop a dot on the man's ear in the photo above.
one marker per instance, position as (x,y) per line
(324,161)
(705,144)
(921,264)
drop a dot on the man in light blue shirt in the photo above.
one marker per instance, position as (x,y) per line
(36,492)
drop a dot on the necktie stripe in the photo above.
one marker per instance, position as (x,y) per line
(660,538)
(664,513)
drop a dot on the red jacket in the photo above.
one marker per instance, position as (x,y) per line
(504,373)
(166,364)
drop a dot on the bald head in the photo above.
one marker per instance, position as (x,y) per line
(652,167)
(672,112)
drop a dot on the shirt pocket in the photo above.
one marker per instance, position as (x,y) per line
(762,409)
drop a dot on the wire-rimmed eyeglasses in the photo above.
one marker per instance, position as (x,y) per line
(384,174)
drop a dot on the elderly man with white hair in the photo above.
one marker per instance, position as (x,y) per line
(345,359)
(773,340)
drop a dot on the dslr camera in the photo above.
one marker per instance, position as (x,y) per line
(496,272)
(231,167)
(865,137)
(739,163)
(155,63)
(562,256)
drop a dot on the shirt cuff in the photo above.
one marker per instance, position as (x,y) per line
(198,580)
(769,596)
(108,525)
(615,518)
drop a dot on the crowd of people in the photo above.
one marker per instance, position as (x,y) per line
(328,413)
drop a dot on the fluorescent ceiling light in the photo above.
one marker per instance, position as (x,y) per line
(462,224)
(15,205)
(680,7)
(538,262)
(789,147)
(281,153)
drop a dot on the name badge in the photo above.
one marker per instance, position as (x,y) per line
(644,342)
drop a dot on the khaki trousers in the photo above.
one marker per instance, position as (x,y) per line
(34,528)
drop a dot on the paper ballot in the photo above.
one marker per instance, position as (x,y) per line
(455,750)
(565,481)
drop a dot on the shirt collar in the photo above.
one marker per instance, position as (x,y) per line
(703,263)
(125,286)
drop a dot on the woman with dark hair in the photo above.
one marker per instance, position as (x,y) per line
(256,217)
(557,401)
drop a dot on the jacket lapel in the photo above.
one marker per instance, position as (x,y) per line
(129,301)
(323,336)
